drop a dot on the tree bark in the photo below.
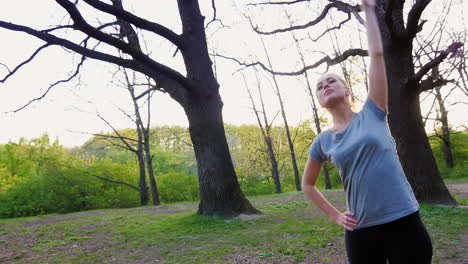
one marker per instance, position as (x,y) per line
(220,193)
(407,128)
(141,166)
(149,165)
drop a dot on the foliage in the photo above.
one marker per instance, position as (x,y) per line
(459,142)
(46,179)
(176,187)
(39,176)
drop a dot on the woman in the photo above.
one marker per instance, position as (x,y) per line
(382,222)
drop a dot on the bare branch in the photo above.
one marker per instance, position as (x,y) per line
(104,135)
(182,140)
(332,28)
(429,112)
(278,3)
(136,53)
(416,78)
(115,144)
(431,83)
(10,73)
(77,71)
(213,5)
(326,60)
(344,7)
(151,88)
(167,77)
(128,146)
(119,182)
(56,28)
(413,26)
(135,20)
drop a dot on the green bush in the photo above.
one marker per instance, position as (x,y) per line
(177,187)
(459,142)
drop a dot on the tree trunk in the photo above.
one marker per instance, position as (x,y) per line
(266,134)
(326,173)
(407,129)
(274,164)
(142,181)
(220,193)
(149,166)
(286,126)
(291,145)
(446,144)
(314,109)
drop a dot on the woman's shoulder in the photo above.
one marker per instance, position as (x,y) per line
(322,136)
(371,107)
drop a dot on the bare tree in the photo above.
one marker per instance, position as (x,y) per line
(265,128)
(142,130)
(285,121)
(428,48)
(311,93)
(133,145)
(406,82)
(197,91)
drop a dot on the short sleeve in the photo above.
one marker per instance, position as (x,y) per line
(315,150)
(371,107)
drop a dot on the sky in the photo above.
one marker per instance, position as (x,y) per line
(69,112)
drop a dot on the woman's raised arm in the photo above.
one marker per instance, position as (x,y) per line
(378,87)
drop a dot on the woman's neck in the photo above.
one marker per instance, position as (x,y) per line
(342,116)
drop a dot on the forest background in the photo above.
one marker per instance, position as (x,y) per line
(98,168)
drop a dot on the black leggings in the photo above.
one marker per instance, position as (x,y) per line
(402,241)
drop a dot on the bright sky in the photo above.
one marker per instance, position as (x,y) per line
(72,107)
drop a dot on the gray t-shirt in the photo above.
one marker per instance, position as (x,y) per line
(377,191)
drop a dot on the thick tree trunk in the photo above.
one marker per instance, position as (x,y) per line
(407,129)
(220,193)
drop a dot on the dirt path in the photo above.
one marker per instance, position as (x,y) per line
(458,189)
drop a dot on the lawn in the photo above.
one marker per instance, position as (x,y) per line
(290,230)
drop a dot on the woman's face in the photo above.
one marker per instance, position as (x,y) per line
(331,90)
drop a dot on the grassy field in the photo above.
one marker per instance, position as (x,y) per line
(290,230)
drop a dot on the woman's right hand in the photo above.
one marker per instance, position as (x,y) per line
(346,220)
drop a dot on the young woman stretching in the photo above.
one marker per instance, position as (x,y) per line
(382,222)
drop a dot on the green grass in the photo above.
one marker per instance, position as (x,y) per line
(445,224)
(289,229)
(275,233)
(456,180)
